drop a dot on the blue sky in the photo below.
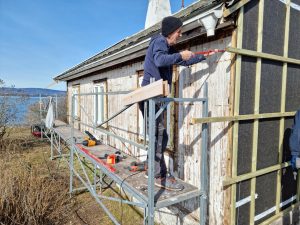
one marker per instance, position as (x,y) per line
(39,39)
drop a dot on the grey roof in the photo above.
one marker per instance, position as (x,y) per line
(92,64)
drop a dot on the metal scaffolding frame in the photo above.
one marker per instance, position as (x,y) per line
(91,182)
(55,138)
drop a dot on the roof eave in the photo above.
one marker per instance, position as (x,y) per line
(136,42)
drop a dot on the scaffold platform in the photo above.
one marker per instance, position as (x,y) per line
(134,182)
(89,165)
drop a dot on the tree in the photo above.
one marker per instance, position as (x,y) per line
(8,111)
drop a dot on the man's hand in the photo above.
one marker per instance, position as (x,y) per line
(186,55)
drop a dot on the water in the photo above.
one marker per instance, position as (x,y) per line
(22,108)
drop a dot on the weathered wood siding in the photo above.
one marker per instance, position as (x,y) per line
(216,71)
(125,125)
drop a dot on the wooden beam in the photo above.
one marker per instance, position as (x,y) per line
(256,110)
(166,88)
(262,55)
(226,220)
(282,106)
(242,117)
(236,110)
(247,176)
(235,7)
(155,89)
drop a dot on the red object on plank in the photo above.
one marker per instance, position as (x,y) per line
(111,159)
(209,51)
(86,151)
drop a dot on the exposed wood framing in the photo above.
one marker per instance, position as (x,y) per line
(242,117)
(235,113)
(235,7)
(172,108)
(157,88)
(282,106)
(263,55)
(247,176)
(176,115)
(256,110)
(230,131)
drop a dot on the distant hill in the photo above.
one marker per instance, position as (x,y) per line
(31,92)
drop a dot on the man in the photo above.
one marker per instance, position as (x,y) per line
(294,142)
(160,58)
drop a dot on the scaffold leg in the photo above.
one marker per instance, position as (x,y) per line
(151,154)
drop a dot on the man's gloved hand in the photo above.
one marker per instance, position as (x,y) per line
(293,162)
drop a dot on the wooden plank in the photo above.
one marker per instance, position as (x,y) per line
(230,131)
(282,106)
(166,88)
(247,176)
(262,55)
(154,89)
(172,108)
(256,111)
(242,117)
(236,111)
(102,162)
(235,7)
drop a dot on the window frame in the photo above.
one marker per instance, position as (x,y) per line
(76,90)
(100,102)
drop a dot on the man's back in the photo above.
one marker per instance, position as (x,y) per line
(156,65)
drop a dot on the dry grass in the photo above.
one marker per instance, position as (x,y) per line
(35,190)
(28,198)
(30,194)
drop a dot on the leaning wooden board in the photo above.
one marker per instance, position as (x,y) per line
(155,89)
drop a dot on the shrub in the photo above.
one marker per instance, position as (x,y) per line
(29,198)
(8,110)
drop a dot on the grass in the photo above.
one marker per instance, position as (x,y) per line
(35,190)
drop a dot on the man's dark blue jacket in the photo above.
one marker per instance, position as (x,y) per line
(295,136)
(159,60)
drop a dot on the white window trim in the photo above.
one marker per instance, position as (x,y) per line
(75,90)
(99,111)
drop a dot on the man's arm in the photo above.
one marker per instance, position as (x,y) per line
(162,57)
(193,60)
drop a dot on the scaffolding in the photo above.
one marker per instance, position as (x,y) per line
(148,197)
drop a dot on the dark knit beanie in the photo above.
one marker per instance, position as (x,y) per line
(169,25)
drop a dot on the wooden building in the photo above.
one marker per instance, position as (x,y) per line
(253,90)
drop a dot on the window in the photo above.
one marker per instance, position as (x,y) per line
(75,90)
(99,102)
